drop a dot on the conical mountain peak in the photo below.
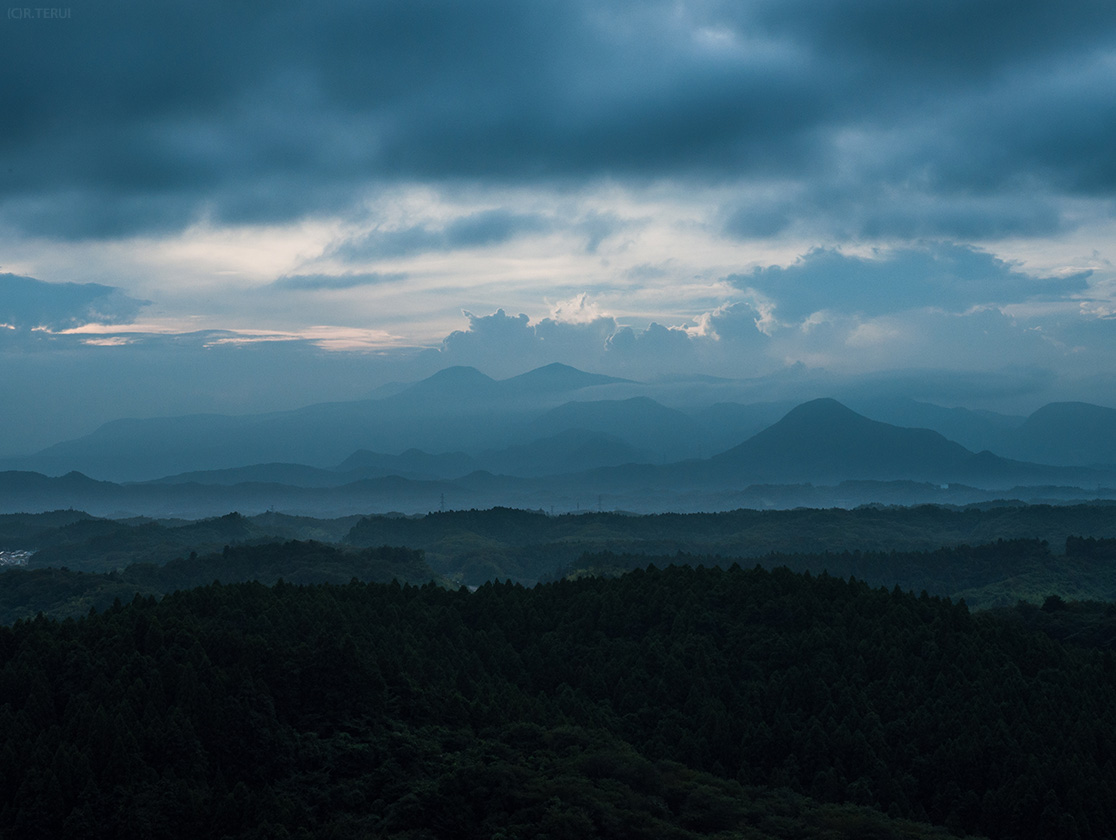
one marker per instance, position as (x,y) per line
(824,440)
(557,377)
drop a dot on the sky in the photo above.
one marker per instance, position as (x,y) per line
(245,206)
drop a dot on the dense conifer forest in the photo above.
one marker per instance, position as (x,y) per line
(784,674)
(677,702)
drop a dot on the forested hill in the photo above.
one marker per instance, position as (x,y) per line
(994,575)
(62,592)
(527,546)
(664,703)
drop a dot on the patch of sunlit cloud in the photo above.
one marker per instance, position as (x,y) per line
(873,334)
(323,337)
(576,310)
(168,327)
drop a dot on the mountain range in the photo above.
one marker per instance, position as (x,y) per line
(562,453)
(526,425)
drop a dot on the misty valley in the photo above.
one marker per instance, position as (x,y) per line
(562,440)
(554,606)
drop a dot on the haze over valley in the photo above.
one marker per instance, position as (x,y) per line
(557,438)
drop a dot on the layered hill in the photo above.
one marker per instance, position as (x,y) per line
(536,441)
(456,408)
(1073,433)
(824,442)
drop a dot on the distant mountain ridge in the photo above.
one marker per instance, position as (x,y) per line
(665,433)
(823,441)
(473,389)
(1074,433)
(460,420)
(973,429)
(817,445)
(455,404)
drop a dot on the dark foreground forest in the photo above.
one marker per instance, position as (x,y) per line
(679,702)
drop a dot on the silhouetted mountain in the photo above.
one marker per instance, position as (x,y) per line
(297,475)
(31,492)
(1072,433)
(460,386)
(975,430)
(414,463)
(822,441)
(726,424)
(456,408)
(557,378)
(573,450)
(1059,434)
(640,421)
(466,388)
(132,448)
(528,425)
(22,491)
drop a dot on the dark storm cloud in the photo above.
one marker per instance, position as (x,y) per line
(870,211)
(949,39)
(163,114)
(26,303)
(943,275)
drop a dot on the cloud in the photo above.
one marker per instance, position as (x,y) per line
(133,119)
(577,310)
(27,303)
(511,333)
(737,340)
(727,342)
(316,282)
(876,209)
(943,275)
(642,152)
(657,349)
(503,344)
(597,227)
(981,340)
(740,324)
(949,41)
(475,230)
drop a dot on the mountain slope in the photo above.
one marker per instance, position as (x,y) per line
(824,441)
(557,378)
(572,450)
(975,430)
(458,408)
(641,422)
(1073,433)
